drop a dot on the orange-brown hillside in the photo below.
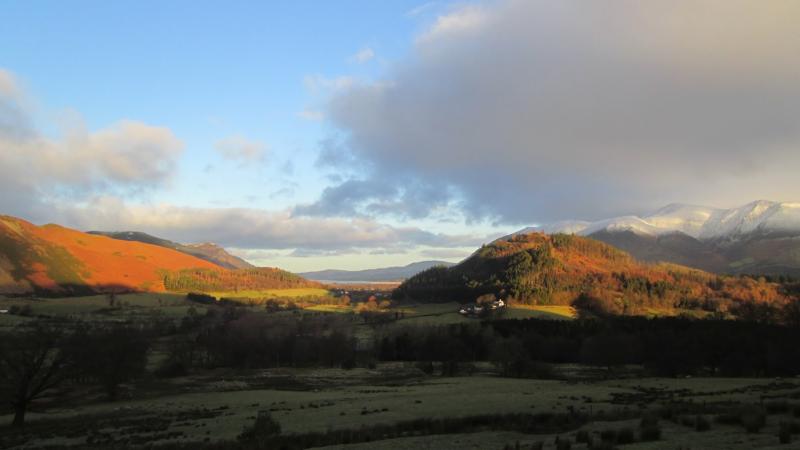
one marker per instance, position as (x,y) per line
(563,269)
(58,259)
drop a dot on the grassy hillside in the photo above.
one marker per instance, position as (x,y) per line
(55,259)
(571,270)
(207,251)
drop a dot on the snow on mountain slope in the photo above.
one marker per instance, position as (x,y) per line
(700,222)
(760,215)
(625,223)
(564,226)
(688,219)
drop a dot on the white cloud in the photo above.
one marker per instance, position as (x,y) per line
(9,87)
(317,83)
(241,149)
(311,114)
(250,228)
(363,55)
(460,21)
(127,157)
(421,9)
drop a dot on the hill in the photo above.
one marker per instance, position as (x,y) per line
(52,259)
(55,259)
(559,269)
(761,237)
(207,251)
(397,273)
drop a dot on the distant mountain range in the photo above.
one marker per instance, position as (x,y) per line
(761,237)
(207,251)
(398,273)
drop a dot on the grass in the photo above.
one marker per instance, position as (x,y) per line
(274,293)
(220,405)
(555,312)
(97,307)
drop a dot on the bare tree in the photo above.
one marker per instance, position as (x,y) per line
(32,363)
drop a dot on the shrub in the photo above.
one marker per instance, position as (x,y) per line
(609,435)
(426,367)
(701,424)
(601,445)
(796,410)
(728,418)
(563,443)
(651,420)
(201,298)
(264,428)
(582,437)
(687,421)
(753,420)
(625,436)
(651,433)
(777,407)
(785,433)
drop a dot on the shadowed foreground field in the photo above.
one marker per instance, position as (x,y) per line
(375,402)
(217,407)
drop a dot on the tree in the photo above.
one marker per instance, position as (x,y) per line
(791,313)
(33,361)
(112,354)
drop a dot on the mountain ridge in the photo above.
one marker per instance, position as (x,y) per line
(393,273)
(207,250)
(55,260)
(701,222)
(761,237)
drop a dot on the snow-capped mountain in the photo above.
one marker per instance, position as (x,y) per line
(759,237)
(700,222)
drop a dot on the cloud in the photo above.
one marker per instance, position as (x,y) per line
(363,55)
(460,21)
(127,157)
(421,9)
(317,83)
(311,114)
(447,253)
(533,111)
(241,149)
(249,228)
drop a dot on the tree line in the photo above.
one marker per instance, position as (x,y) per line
(221,280)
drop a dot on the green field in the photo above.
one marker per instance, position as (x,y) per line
(273,293)
(218,406)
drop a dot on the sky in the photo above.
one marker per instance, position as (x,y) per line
(357,134)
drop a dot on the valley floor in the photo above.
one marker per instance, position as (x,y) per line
(218,406)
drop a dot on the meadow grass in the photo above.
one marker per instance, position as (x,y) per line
(273,293)
(220,405)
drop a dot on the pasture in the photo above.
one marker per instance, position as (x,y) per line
(218,406)
(379,399)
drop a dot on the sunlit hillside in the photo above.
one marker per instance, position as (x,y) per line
(559,269)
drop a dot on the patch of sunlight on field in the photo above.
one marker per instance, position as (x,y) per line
(544,311)
(274,293)
(330,308)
